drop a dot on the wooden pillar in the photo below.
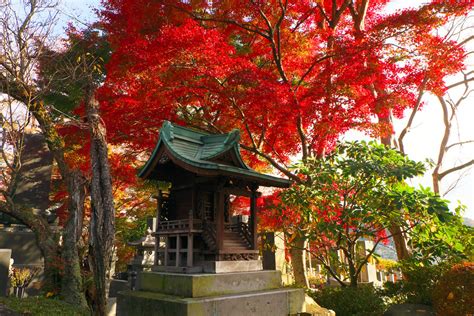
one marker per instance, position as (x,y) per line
(189,256)
(159,204)
(166,251)
(253,217)
(220,220)
(178,249)
(194,201)
(190,251)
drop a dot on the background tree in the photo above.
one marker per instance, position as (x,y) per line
(23,38)
(452,100)
(357,192)
(16,123)
(70,77)
(25,48)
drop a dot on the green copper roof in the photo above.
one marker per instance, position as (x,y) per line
(203,151)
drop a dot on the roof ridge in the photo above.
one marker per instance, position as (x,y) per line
(173,126)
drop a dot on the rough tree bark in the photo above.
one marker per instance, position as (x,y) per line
(298,261)
(102,228)
(72,279)
(71,289)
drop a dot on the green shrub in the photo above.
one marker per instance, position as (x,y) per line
(454,293)
(40,306)
(392,293)
(418,285)
(351,301)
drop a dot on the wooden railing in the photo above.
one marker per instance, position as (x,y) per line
(182,224)
(244,231)
(209,235)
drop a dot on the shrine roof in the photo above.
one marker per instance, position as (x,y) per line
(198,151)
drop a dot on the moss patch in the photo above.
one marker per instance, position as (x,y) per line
(41,306)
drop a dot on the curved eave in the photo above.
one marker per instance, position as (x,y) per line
(143,173)
(210,168)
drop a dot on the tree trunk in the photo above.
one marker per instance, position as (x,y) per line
(401,246)
(351,256)
(72,279)
(71,289)
(102,218)
(353,275)
(298,261)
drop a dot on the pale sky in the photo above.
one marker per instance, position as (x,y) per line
(421,143)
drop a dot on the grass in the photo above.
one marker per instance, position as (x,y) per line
(40,306)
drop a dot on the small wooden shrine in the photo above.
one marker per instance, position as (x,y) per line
(196,230)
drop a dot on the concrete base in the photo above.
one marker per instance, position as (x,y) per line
(227,294)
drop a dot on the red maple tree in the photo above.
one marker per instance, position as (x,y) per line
(293,76)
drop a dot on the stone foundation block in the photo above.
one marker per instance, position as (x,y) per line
(279,302)
(203,285)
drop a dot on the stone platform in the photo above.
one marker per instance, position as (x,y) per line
(227,294)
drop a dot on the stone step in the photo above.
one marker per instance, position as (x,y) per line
(275,302)
(235,243)
(234,239)
(231,235)
(236,247)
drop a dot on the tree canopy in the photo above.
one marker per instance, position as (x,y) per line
(357,192)
(293,76)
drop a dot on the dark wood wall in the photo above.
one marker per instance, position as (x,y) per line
(183,202)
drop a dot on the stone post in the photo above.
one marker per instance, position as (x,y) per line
(5,256)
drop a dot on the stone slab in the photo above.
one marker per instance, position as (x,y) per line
(5,255)
(277,302)
(111,308)
(23,245)
(232,266)
(202,285)
(117,286)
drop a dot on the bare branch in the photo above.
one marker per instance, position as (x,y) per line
(459,144)
(412,116)
(454,169)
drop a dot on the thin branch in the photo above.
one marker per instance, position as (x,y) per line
(459,144)
(451,170)
(274,163)
(412,115)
